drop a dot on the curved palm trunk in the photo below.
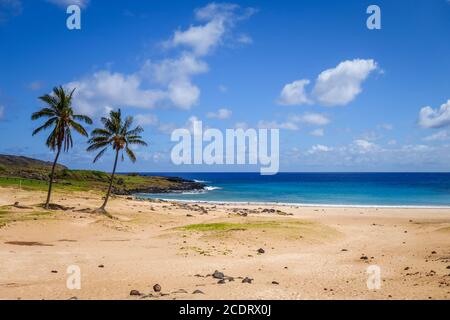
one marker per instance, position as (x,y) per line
(52,175)
(111,182)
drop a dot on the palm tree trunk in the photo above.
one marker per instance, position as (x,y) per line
(111,182)
(52,175)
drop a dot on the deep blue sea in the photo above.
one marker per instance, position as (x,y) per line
(351,189)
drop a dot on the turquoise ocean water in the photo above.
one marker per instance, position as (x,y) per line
(350,189)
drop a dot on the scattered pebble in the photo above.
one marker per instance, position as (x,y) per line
(275,282)
(101,266)
(247,280)
(218,275)
(135,293)
(198,292)
(261,250)
(54,271)
(157,288)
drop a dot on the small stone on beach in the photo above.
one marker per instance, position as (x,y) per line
(247,280)
(198,292)
(157,288)
(135,293)
(218,275)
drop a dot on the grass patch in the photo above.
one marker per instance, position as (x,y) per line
(7,217)
(235,226)
(249,230)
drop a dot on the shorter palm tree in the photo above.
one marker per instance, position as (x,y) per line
(62,119)
(116,133)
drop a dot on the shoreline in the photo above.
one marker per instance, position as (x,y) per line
(293,204)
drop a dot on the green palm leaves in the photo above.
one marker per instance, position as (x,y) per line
(62,120)
(117,134)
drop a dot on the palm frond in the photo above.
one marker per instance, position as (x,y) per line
(130,154)
(78,128)
(84,118)
(100,154)
(45,125)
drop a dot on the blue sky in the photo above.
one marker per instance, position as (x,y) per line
(345,98)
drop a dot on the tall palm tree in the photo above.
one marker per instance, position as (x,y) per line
(116,133)
(62,120)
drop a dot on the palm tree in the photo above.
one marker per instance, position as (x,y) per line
(62,120)
(115,133)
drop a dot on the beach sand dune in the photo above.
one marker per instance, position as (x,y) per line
(259,251)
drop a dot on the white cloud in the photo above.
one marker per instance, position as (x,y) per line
(66,3)
(223,88)
(294,93)
(219,18)
(438,136)
(319,148)
(161,83)
(2,112)
(333,87)
(277,125)
(430,118)
(111,90)
(221,114)
(340,85)
(364,146)
(317,132)
(311,118)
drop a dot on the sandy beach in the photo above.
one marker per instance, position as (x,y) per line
(308,252)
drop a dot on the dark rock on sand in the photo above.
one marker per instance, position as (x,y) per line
(135,293)
(275,282)
(247,280)
(218,275)
(157,288)
(261,250)
(198,292)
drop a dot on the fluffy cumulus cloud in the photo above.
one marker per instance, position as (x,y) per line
(217,19)
(166,82)
(431,118)
(105,89)
(333,87)
(364,146)
(340,85)
(66,3)
(220,114)
(294,93)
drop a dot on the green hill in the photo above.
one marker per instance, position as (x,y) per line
(34,174)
